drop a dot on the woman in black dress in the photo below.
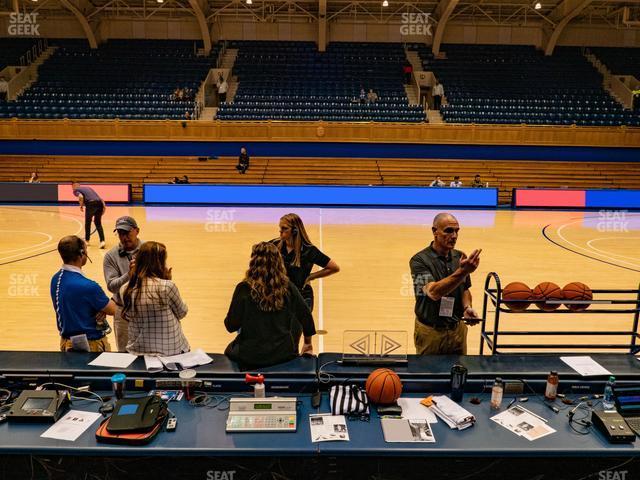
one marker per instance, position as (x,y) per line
(300,256)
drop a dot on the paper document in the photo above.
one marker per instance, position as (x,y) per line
(115,360)
(71,426)
(523,423)
(585,366)
(153,364)
(403,430)
(412,408)
(186,360)
(326,428)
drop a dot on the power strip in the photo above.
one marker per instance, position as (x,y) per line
(513,387)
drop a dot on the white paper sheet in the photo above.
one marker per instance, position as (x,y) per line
(187,360)
(523,423)
(404,430)
(412,408)
(153,364)
(71,426)
(114,360)
(326,428)
(585,366)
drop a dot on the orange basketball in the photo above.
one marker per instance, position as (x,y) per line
(517,291)
(577,291)
(383,386)
(547,291)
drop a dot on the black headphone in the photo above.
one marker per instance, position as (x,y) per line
(80,246)
(294,230)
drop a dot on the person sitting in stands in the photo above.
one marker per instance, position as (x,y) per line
(264,310)
(34,178)
(4,88)
(437,182)
(372,97)
(175,180)
(477,183)
(243,161)
(363,95)
(456,182)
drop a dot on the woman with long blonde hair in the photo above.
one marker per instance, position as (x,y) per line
(153,306)
(267,310)
(300,255)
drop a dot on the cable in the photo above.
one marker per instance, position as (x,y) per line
(73,388)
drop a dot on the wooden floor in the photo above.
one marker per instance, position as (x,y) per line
(505,175)
(209,251)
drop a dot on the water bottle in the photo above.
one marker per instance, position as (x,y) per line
(496,394)
(607,400)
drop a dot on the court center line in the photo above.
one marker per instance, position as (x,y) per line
(320,294)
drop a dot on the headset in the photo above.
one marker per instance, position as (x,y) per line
(294,230)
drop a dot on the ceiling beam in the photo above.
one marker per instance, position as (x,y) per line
(443,11)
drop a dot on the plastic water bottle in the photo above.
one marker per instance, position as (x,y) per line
(496,394)
(607,400)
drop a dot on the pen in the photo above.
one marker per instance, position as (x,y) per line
(511,403)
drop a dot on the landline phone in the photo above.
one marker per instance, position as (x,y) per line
(136,414)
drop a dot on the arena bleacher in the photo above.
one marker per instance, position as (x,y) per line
(127,79)
(293,81)
(503,84)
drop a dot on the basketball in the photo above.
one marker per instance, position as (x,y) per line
(577,291)
(516,291)
(383,386)
(547,291)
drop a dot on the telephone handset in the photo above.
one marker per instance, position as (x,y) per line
(136,414)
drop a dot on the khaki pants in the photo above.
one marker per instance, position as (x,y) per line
(432,341)
(100,345)
(120,330)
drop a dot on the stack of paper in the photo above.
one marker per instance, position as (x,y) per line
(177,362)
(451,413)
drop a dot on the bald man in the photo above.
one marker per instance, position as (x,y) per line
(441,281)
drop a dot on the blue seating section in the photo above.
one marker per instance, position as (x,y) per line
(293,81)
(11,49)
(126,79)
(507,84)
(620,61)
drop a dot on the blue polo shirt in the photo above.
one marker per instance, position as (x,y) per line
(76,301)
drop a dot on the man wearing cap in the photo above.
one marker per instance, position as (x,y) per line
(118,262)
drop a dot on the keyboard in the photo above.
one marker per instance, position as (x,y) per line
(261,423)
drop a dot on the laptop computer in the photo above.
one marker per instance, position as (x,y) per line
(628,405)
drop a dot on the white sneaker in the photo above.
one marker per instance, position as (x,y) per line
(102,244)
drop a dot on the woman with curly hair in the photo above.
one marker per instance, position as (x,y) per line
(266,310)
(153,306)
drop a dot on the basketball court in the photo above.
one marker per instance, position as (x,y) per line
(209,251)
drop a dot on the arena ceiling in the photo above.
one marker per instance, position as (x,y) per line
(547,13)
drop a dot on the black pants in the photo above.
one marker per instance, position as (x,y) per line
(242,167)
(93,211)
(222,97)
(437,99)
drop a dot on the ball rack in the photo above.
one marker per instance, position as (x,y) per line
(493,337)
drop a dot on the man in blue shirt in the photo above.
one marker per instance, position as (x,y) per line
(93,206)
(80,304)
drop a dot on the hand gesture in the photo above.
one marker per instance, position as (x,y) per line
(307,349)
(470,264)
(470,316)
(132,267)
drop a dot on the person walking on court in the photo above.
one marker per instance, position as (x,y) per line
(80,304)
(152,305)
(300,256)
(267,311)
(243,161)
(118,264)
(441,282)
(93,207)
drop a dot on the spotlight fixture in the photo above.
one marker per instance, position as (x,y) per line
(385,3)
(538,6)
(160,1)
(249,2)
